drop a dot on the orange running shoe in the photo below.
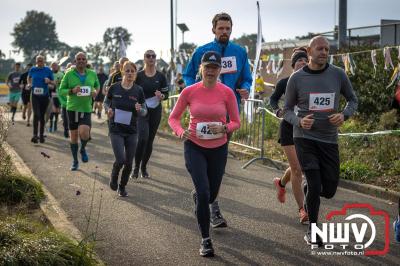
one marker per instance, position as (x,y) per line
(281,191)
(303,216)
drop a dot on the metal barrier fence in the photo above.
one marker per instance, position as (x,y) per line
(251,134)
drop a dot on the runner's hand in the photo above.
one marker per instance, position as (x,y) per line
(138,106)
(46,80)
(186,134)
(336,119)
(158,94)
(110,113)
(94,93)
(76,90)
(307,121)
(244,94)
(215,129)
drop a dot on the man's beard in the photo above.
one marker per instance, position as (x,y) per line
(223,40)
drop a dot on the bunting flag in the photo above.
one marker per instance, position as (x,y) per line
(280,67)
(398,55)
(346,64)
(260,65)
(352,64)
(388,58)
(373,59)
(274,66)
(269,67)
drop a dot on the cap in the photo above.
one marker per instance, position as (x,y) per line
(211,57)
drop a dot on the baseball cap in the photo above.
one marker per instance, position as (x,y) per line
(211,57)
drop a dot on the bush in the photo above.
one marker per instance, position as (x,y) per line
(16,189)
(24,242)
(371,89)
(356,171)
(389,120)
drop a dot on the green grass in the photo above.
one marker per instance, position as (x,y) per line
(26,242)
(18,189)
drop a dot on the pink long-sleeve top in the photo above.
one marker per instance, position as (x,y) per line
(206,105)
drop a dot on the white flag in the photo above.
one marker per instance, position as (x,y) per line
(122,48)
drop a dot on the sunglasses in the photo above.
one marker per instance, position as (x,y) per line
(150,56)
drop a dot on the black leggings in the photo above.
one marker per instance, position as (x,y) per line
(39,107)
(206,167)
(147,128)
(124,146)
(320,164)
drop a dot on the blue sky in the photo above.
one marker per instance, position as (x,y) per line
(81,22)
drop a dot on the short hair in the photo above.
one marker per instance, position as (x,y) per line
(221,16)
(39,57)
(79,53)
(17,63)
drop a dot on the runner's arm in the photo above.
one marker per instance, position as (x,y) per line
(290,102)
(189,75)
(174,119)
(351,98)
(233,112)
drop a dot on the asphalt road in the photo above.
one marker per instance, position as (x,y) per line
(155,225)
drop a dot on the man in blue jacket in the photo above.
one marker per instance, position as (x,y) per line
(235,73)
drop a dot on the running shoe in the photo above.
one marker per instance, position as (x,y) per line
(114,183)
(122,192)
(66,134)
(206,248)
(217,220)
(281,191)
(28,125)
(145,174)
(74,166)
(307,238)
(396,227)
(23,116)
(303,216)
(35,139)
(84,156)
(41,139)
(135,173)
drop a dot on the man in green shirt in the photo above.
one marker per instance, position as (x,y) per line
(79,85)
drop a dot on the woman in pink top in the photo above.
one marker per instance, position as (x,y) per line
(205,145)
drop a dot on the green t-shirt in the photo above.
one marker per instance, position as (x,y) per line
(89,81)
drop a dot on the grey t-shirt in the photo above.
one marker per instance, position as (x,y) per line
(13,80)
(318,93)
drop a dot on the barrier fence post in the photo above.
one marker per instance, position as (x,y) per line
(262,157)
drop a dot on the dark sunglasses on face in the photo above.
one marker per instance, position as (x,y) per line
(150,56)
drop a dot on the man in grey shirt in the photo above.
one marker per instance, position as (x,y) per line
(315,90)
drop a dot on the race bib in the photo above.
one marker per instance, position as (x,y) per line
(152,102)
(122,117)
(204,132)
(85,91)
(38,91)
(322,101)
(16,80)
(228,64)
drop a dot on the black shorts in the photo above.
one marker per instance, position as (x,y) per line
(285,133)
(26,96)
(56,102)
(317,155)
(76,119)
